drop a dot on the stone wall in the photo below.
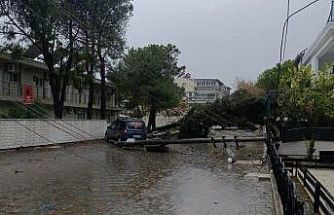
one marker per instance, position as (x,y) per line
(30,133)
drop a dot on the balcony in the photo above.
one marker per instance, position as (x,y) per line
(11,91)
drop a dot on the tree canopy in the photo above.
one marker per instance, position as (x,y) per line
(303,95)
(146,78)
(269,79)
(240,109)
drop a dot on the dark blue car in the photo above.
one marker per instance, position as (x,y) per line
(126,128)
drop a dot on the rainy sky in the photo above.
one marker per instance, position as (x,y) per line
(226,39)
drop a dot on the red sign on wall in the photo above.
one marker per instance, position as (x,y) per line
(28,95)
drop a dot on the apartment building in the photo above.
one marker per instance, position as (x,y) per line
(188,86)
(15,75)
(209,90)
(321,52)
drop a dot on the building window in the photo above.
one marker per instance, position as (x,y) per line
(14,77)
(38,81)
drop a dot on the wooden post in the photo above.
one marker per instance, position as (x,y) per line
(316,197)
(236,142)
(305,177)
(213,142)
(296,169)
(224,144)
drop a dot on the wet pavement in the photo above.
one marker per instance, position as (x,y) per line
(325,177)
(100,179)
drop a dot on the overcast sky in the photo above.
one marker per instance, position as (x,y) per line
(225,39)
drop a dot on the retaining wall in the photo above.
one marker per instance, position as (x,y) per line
(30,133)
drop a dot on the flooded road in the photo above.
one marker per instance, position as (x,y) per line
(100,179)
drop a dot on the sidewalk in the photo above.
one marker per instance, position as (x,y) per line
(325,177)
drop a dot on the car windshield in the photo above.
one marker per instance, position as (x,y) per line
(136,125)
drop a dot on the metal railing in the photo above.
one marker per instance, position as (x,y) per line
(292,204)
(302,133)
(42,94)
(10,89)
(322,199)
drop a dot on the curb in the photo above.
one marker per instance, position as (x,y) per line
(278,207)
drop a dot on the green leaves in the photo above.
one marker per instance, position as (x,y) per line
(302,94)
(269,79)
(146,77)
(294,91)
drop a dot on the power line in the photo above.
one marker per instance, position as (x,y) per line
(285,24)
(287,27)
(71,16)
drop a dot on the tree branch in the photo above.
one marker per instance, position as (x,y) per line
(18,27)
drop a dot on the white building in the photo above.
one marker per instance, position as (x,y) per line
(321,52)
(16,74)
(209,90)
(188,85)
(202,91)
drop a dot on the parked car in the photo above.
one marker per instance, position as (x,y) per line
(126,128)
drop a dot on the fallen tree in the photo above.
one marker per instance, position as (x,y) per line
(240,109)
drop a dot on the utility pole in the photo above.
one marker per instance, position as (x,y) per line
(286,22)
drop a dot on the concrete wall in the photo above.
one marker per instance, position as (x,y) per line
(30,133)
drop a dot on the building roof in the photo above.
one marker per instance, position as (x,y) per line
(24,61)
(36,64)
(210,79)
(324,40)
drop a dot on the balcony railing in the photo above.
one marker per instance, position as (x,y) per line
(15,92)
(11,89)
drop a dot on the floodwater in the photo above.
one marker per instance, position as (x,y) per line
(96,178)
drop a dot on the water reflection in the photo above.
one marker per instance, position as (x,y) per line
(99,179)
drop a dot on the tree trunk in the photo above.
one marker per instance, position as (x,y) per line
(91,94)
(58,81)
(103,86)
(58,109)
(55,90)
(151,126)
(90,73)
(103,96)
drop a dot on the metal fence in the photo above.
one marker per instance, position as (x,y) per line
(302,133)
(322,199)
(10,89)
(292,204)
